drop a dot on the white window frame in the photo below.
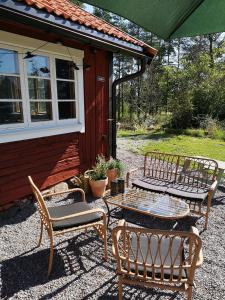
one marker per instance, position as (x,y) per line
(28,129)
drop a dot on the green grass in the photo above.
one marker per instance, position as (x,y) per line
(187,145)
(127,133)
(188,142)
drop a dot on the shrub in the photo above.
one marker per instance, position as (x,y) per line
(99,170)
(213,128)
(116,164)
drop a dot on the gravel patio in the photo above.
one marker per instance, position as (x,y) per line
(79,271)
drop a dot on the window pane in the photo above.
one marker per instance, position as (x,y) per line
(65,90)
(64,69)
(10,87)
(67,110)
(8,62)
(38,66)
(39,88)
(40,111)
(11,112)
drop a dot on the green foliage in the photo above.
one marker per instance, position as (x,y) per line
(99,170)
(116,164)
(78,3)
(120,168)
(188,145)
(127,133)
(186,80)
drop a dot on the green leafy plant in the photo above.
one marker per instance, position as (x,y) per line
(116,164)
(111,164)
(99,170)
(120,168)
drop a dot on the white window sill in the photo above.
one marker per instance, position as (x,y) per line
(21,134)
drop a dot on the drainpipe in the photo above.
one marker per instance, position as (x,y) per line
(128,77)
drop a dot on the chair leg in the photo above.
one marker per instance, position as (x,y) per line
(40,238)
(189,293)
(207,212)
(120,289)
(206,221)
(105,245)
(51,254)
(105,239)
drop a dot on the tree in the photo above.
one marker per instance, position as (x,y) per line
(78,3)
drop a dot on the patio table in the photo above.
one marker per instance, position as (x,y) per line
(148,203)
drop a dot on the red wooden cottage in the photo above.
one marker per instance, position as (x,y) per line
(57,97)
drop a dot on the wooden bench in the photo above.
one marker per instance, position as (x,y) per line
(186,177)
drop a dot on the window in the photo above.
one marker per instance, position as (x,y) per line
(11,111)
(39,88)
(44,92)
(65,89)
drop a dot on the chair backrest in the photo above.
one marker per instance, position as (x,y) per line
(193,171)
(160,165)
(196,171)
(44,214)
(157,255)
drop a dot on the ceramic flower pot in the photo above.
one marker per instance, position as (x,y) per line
(98,187)
(112,174)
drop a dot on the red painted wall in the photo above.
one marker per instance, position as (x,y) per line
(53,159)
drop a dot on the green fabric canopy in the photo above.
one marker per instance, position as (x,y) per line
(170,18)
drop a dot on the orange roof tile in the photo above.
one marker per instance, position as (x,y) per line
(68,10)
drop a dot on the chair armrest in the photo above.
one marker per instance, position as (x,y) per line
(83,213)
(213,186)
(200,255)
(67,192)
(116,235)
(131,172)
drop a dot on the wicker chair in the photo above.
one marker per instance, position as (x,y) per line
(59,220)
(156,258)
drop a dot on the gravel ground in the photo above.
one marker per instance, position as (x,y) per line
(79,272)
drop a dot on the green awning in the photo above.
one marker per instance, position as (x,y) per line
(170,18)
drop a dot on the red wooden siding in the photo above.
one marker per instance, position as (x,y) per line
(53,159)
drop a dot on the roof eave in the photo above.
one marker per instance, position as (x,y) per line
(21,10)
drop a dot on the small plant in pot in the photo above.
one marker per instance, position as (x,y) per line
(97,177)
(115,169)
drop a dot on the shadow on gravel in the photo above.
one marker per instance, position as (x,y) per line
(22,272)
(110,288)
(77,256)
(17,213)
(154,223)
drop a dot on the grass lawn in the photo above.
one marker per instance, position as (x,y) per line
(182,144)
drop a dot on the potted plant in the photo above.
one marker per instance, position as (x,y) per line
(115,169)
(97,177)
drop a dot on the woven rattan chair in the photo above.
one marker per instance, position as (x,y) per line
(156,258)
(59,220)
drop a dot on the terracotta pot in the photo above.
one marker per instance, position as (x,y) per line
(112,175)
(98,187)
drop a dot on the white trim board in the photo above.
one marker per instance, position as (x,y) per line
(28,129)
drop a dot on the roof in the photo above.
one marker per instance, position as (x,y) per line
(69,11)
(170,19)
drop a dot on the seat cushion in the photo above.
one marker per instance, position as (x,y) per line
(65,210)
(152,184)
(189,192)
(163,255)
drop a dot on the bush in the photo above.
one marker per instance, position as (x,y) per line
(99,170)
(213,128)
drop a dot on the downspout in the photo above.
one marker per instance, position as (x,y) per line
(144,62)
